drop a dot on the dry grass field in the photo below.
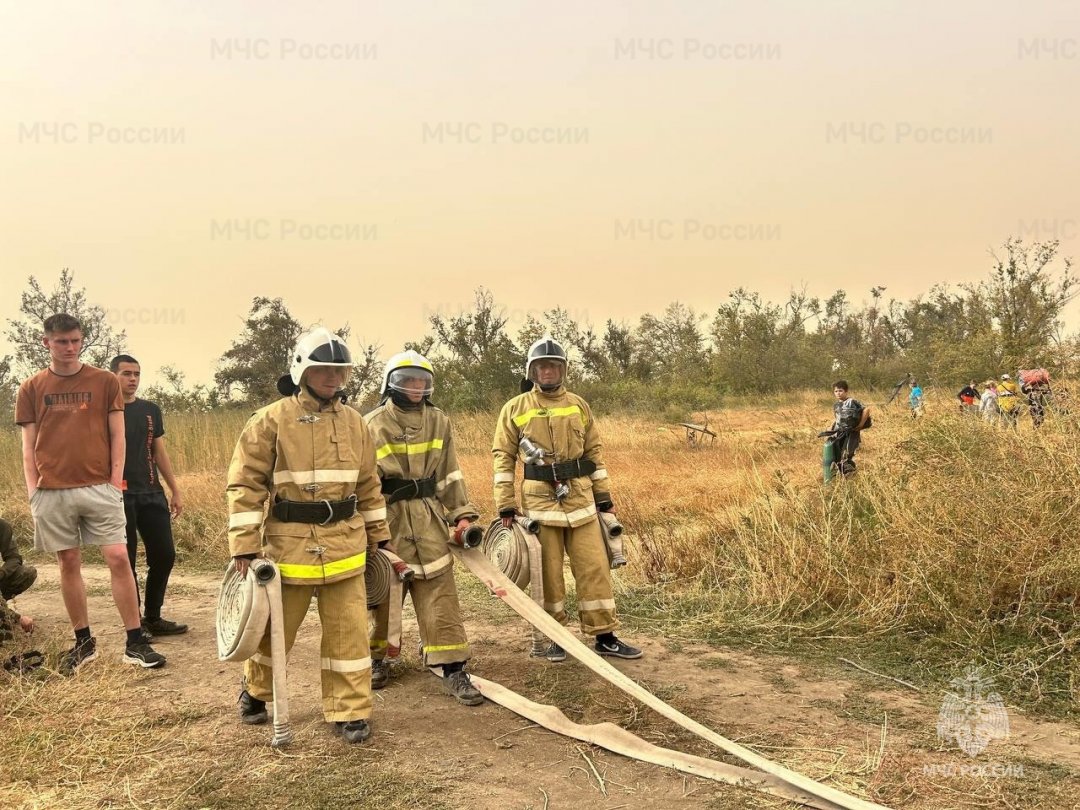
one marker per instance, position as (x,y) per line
(954,545)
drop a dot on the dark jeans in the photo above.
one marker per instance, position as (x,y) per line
(844,453)
(148,516)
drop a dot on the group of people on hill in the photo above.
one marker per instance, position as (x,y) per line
(1002,401)
(316,488)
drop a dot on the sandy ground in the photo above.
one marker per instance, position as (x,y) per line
(851,729)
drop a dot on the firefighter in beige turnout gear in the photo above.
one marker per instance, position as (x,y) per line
(425,495)
(312,458)
(563,493)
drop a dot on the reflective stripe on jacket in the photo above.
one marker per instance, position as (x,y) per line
(420,444)
(558,422)
(300,450)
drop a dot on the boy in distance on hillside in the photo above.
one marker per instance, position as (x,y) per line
(849,418)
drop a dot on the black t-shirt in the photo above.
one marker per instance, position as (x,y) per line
(968,391)
(142,424)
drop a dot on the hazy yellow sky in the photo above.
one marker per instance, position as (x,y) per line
(375,162)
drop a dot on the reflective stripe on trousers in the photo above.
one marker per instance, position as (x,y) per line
(438,616)
(346,665)
(589,565)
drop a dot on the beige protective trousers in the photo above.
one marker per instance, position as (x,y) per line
(439,617)
(589,565)
(346,661)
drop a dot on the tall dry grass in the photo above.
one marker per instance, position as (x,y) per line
(954,543)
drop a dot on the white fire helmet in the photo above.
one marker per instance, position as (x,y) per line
(547,348)
(409,365)
(318,347)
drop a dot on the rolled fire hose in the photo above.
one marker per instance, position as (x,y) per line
(384,578)
(245,605)
(504,588)
(516,553)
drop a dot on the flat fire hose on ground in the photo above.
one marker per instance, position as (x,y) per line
(245,605)
(621,741)
(512,595)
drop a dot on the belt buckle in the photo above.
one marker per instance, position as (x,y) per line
(330,516)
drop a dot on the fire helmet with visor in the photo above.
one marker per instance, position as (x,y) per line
(316,347)
(409,366)
(547,348)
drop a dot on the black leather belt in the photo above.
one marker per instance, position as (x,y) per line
(321,512)
(562,471)
(407,489)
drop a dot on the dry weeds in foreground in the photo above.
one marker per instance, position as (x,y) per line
(954,544)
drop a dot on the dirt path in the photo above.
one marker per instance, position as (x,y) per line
(829,725)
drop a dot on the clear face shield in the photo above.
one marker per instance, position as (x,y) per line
(328,378)
(415,383)
(547,373)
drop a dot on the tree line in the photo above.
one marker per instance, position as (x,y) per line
(678,358)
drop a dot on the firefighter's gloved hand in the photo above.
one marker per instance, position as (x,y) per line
(606,506)
(507,516)
(389,545)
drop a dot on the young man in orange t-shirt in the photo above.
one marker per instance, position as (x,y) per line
(72,420)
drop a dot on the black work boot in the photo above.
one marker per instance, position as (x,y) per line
(355,731)
(459,685)
(252,710)
(380,673)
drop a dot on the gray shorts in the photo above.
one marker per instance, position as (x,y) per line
(82,516)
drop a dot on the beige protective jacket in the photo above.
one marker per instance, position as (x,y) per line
(420,444)
(559,422)
(301,450)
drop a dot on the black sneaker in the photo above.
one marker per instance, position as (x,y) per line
(252,710)
(355,731)
(143,654)
(162,627)
(459,685)
(617,649)
(554,653)
(380,673)
(82,653)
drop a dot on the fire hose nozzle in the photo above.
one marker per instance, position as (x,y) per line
(528,524)
(263,573)
(533,454)
(469,536)
(615,529)
(401,568)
